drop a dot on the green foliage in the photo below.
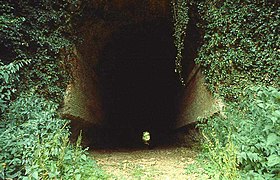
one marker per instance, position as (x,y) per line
(34,143)
(36,34)
(36,43)
(8,77)
(219,150)
(240,50)
(181,19)
(258,133)
(248,134)
(241,45)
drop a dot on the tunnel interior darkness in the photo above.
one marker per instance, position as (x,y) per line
(140,90)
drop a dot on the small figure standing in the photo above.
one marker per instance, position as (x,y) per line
(146,139)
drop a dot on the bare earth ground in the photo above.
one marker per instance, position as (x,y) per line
(161,163)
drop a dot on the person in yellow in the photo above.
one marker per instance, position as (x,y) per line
(146,138)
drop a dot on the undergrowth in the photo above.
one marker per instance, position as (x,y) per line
(36,43)
(240,50)
(243,141)
(240,59)
(35,144)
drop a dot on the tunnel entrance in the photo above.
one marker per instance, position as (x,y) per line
(124,81)
(139,89)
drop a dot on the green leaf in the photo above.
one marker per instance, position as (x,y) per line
(6,77)
(276,113)
(273,160)
(35,175)
(272,138)
(78,176)
(243,155)
(261,105)
(268,127)
(84,157)
(253,156)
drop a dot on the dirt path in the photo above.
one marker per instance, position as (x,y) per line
(166,163)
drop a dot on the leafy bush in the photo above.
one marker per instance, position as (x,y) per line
(36,38)
(240,50)
(252,126)
(39,33)
(258,133)
(8,77)
(34,143)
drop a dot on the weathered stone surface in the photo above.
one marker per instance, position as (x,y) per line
(197,100)
(81,101)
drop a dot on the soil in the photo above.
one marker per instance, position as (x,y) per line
(160,163)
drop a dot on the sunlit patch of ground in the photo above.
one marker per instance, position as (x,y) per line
(165,163)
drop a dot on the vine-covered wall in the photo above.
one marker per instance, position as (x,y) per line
(34,37)
(240,45)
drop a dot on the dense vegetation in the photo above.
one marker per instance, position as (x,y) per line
(241,45)
(36,43)
(243,140)
(240,58)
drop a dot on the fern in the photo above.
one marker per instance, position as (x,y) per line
(9,77)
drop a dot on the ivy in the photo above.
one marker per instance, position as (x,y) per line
(38,33)
(241,45)
(240,58)
(181,19)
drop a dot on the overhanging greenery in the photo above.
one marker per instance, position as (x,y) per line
(240,52)
(36,41)
(240,49)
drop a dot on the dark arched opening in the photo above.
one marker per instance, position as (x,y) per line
(139,88)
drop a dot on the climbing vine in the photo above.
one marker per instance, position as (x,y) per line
(39,33)
(241,45)
(36,43)
(181,19)
(240,58)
